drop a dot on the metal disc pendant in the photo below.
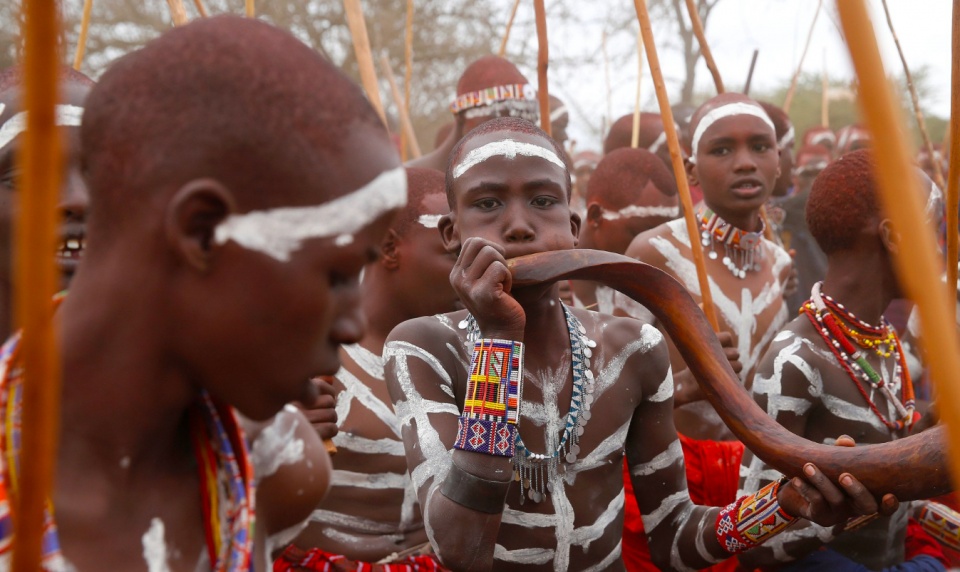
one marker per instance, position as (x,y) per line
(585,415)
(571,458)
(536,496)
(712,255)
(580,431)
(462,325)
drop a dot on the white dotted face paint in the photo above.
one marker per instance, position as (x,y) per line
(280,232)
(505,148)
(66,116)
(430,220)
(641,212)
(722,112)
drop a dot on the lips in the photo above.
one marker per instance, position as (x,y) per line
(747,188)
(71,248)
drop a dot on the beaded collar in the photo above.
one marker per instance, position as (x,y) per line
(846,336)
(226,475)
(536,471)
(742,250)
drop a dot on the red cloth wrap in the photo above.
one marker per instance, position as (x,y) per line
(713,474)
(295,559)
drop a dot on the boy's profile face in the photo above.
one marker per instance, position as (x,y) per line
(519,202)
(737,163)
(424,265)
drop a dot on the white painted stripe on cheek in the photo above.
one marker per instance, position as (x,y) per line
(506,148)
(280,232)
(66,116)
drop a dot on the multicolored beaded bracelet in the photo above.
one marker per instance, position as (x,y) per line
(751,520)
(491,409)
(491,95)
(941,522)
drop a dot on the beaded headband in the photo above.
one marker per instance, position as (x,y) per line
(722,112)
(66,115)
(496,94)
(280,232)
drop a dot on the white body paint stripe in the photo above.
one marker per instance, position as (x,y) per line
(66,116)
(505,148)
(429,220)
(641,211)
(722,112)
(280,232)
(557,113)
(368,480)
(672,455)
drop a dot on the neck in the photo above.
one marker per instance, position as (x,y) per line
(381,308)
(748,221)
(124,400)
(853,279)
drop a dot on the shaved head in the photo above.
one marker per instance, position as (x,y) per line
(489,71)
(621,132)
(620,176)
(227,98)
(421,183)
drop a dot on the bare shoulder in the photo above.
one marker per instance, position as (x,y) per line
(641,247)
(430,332)
(796,357)
(627,346)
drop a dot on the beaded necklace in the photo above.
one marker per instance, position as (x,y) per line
(535,471)
(226,476)
(742,250)
(833,322)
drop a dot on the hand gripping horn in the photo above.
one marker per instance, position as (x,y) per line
(911,468)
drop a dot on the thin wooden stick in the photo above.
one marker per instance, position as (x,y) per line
(177,12)
(407,79)
(917,112)
(606,78)
(704,47)
(36,281)
(673,142)
(953,177)
(405,125)
(201,9)
(250,9)
(361,49)
(82,40)
(824,95)
(506,33)
(543,60)
(796,75)
(635,135)
(917,265)
(753,66)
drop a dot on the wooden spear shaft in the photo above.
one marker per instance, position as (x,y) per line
(82,40)
(201,9)
(250,9)
(506,33)
(900,196)
(753,66)
(676,158)
(953,177)
(361,49)
(177,12)
(36,281)
(407,78)
(543,59)
(635,135)
(704,47)
(915,99)
(788,101)
(405,124)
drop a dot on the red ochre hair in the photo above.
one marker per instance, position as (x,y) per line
(489,71)
(621,174)
(781,121)
(621,132)
(421,183)
(843,199)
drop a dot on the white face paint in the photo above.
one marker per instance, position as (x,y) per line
(641,212)
(155,547)
(280,232)
(430,220)
(722,112)
(507,148)
(66,116)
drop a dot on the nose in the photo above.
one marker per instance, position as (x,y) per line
(74,197)
(744,160)
(517,227)
(350,323)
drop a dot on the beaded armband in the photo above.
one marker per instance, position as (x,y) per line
(751,520)
(941,522)
(491,409)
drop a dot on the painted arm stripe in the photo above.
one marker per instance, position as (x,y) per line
(368,480)
(667,458)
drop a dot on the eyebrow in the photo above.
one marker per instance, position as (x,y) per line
(730,139)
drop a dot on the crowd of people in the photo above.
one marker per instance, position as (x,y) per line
(251,274)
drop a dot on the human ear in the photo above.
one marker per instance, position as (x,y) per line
(594,214)
(693,179)
(575,227)
(889,237)
(449,233)
(389,253)
(192,217)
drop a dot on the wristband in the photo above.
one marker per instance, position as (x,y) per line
(752,520)
(491,409)
(471,491)
(942,523)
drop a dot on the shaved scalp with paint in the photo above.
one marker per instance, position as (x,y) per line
(621,132)
(781,121)
(228,98)
(421,183)
(719,101)
(843,201)
(618,179)
(489,71)
(505,125)
(12,77)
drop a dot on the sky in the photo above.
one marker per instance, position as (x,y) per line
(778,28)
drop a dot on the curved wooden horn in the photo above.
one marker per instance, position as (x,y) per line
(911,468)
